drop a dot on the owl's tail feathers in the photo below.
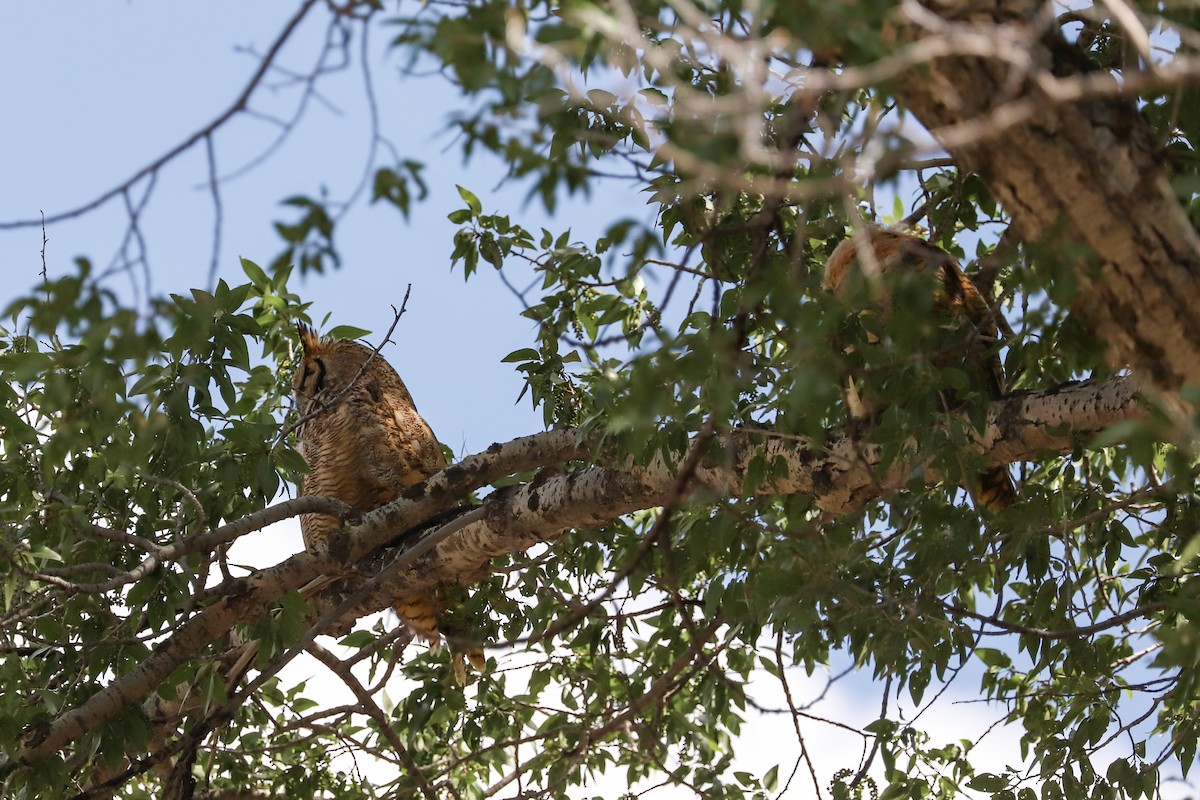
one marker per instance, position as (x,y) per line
(423,613)
(473,654)
(995,490)
(419,612)
(463,650)
(476,656)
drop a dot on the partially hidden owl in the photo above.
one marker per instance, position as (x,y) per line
(955,296)
(364,443)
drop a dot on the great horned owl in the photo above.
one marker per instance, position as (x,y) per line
(364,443)
(954,296)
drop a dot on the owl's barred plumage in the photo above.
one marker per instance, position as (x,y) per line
(364,443)
(955,295)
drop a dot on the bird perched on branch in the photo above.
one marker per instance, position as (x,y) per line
(364,443)
(956,299)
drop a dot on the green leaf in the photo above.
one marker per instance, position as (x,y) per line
(770,781)
(601,98)
(44,553)
(255,273)
(358,639)
(347,332)
(994,658)
(654,96)
(988,782)
(524,354)
(471,200)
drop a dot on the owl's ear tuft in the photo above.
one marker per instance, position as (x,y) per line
(309,339)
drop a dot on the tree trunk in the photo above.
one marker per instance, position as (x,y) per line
(1075,164)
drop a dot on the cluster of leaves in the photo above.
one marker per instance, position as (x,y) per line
(118,440)
(907,588)
(903,590)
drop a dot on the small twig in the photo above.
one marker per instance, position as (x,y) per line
(1065,633)
(805,756)
(224,712)
(45,277)
(373,111)
(870,757)
(368,705)
(319,70)
(214,187)
(153,167)
(205,541)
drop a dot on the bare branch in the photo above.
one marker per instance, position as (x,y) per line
(215,188)
(368,705)
(239,105)
(1077,632)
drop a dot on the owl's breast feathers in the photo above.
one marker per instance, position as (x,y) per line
(364,443)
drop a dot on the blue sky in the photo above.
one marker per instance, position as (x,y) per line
(106,87)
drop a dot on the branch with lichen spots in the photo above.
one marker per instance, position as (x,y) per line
(841,476)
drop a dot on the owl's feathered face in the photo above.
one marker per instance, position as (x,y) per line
(328,366)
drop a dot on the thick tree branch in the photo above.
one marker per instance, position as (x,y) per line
(206,541)
(841,476)
(1086,173)
(247,599)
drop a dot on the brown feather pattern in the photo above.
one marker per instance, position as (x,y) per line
(364,443)
(955,294)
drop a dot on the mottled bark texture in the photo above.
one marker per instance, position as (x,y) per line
(1075,169)
(841,476)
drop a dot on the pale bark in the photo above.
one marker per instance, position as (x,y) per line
(840,475)
(1084,173)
